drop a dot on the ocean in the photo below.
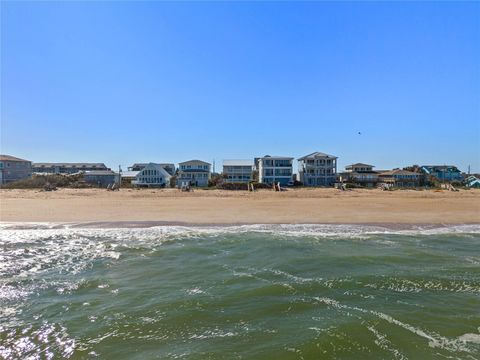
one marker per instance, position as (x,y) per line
(239,292)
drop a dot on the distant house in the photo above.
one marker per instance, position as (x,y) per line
(152,175)
(170,168)
(67,168)
(194,173)
(128,177)
(472,182)
(13,169)
(237,171)
(274,169)
(317,169)
(401,178)
(101,178)
(360,174)
(443,172)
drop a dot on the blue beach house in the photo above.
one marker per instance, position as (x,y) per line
(443,172)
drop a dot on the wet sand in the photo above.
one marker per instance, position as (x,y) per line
(295,206)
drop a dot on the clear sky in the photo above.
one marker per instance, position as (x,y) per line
(124,82)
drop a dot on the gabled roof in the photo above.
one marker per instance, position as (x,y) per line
(196,161)
(11,158)
(158,167)
(440,167)
(234,162)
(317,154)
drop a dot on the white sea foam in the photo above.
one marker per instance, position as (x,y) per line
(434,340)
(32,231)
(385,344)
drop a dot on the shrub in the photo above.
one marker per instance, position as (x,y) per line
(54,180)
(242,186)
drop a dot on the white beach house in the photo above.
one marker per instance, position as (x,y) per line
(274,169)
(194,173)
(317,169)
(152,175)
(237,171)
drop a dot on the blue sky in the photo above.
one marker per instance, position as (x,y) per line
(124,82)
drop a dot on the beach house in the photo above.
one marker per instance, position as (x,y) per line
(443,172)
(237,171)
(360,174)
(317,169)
(101,178)
(193,173)
(152,175)
(274,169)
(170,168)
(401,178)
(13,169)
(472,182)
(67,168)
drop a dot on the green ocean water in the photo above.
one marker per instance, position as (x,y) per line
(244,292)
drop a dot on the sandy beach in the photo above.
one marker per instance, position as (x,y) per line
(294,206)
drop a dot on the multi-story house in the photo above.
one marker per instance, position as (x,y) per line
(401,178)
(317,169)
(443,172)
(194,173)
(67,168)
(360,174)
(237,171)
(13,169)
(274,169)
(170,168)
(152,175)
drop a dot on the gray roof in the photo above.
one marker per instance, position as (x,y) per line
(100,172)
(233,162)
(145,164)
(130,173)
(11,158)
(276,157)
(399,172)
(70,165)
(360,164)
(198,161)
(317,154)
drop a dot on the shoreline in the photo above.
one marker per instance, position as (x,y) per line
(155,207)
(145,225)
(20,225)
